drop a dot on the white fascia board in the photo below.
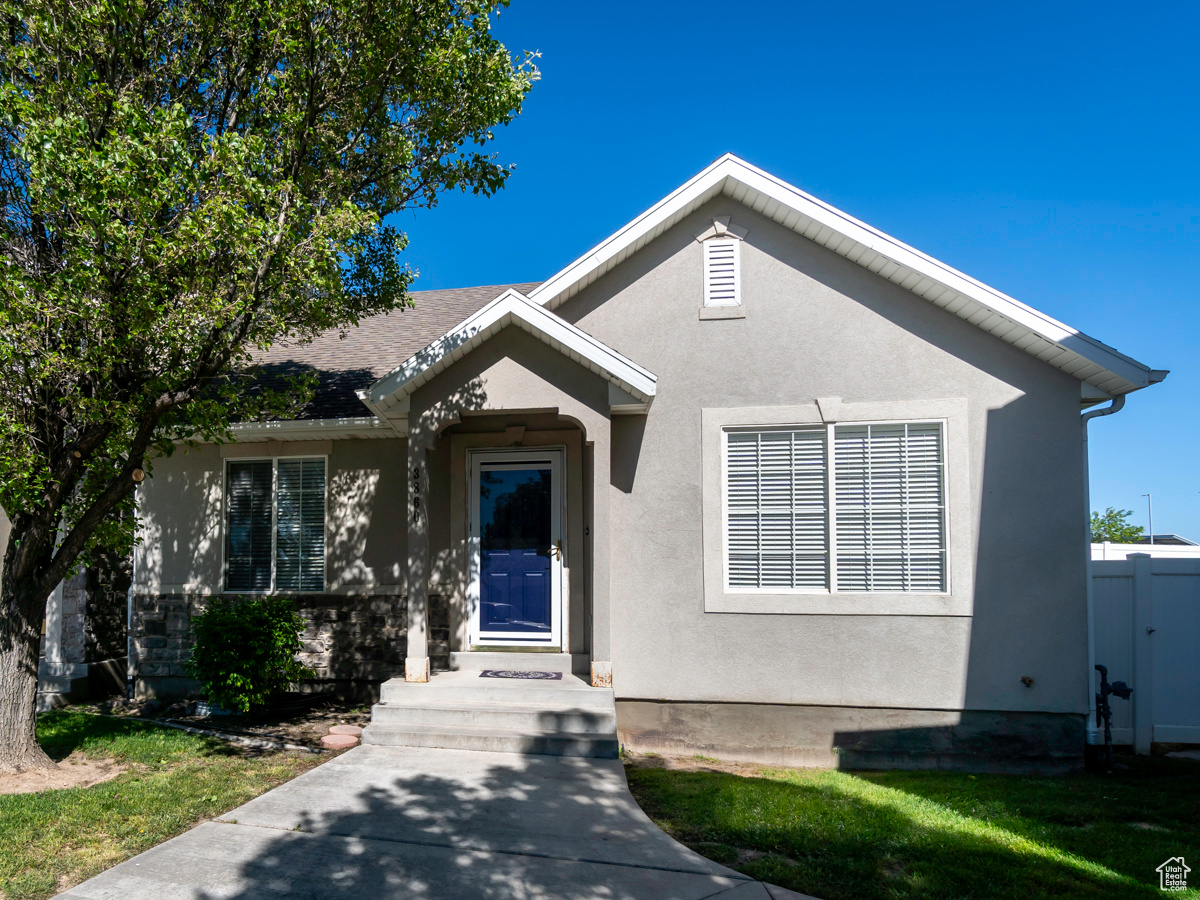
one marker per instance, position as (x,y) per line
(856,240)
(658,218)
(312,429)
(386,395)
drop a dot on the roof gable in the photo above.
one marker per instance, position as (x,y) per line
(1104,371)
(634,386)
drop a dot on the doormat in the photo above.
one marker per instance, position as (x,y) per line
(528,675)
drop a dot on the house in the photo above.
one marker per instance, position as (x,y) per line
(798,492)
(1170,540)
(82,650)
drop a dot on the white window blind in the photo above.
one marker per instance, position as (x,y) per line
(890,512)
(776,509)
(721,273)
(300,526)
(887,519)
(275,525)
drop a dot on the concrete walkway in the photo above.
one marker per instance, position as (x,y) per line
(401,822)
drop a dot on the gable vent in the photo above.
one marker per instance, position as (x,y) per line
(721,273)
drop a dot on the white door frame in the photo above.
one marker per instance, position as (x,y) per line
(556,457)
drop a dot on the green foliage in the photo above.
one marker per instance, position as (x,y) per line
(186,184)
(1113,525)
(66,731)
(245,651)
(934,835)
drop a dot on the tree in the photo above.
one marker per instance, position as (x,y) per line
(1113,525)
(185,183)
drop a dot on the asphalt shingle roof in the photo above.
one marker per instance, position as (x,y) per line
(376,346)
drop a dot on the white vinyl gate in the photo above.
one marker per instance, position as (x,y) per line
(1146,620)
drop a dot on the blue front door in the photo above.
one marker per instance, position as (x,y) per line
(515,550)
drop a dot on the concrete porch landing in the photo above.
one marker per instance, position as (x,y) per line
(392,822)
(462,711)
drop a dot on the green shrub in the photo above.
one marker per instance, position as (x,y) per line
(244,650)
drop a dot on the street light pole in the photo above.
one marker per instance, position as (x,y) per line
(1150,504)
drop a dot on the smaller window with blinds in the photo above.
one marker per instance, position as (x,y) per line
(275,525)
(722,272)
(850,508)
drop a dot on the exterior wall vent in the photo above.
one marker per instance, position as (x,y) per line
(722,272)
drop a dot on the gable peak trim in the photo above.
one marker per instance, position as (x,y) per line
(389,397)
(1006,318)
(721,228)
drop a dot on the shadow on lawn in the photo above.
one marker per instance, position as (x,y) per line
(62,732)
(837,835)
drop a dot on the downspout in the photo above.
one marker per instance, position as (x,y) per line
(1093,736)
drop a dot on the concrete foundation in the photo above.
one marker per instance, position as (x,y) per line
(856,738)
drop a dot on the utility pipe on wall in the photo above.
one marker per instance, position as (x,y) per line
(1117,404)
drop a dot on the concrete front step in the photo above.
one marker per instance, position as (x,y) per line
(517,717)
(477,660)
(48,700)
(468,690)
(62,684)
(463,711)
(495,740)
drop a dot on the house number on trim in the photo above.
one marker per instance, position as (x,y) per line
(416,494)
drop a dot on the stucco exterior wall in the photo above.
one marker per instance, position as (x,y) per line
(1003,651)
(355,630)
(818,326)
(516,373)
(181,508)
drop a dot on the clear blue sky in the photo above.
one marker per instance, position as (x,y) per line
(1047,149)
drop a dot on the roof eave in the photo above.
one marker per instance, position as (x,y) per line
(1036,333)
(388,397)
(311,429)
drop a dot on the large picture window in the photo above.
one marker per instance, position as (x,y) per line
(873,521)
(275,525)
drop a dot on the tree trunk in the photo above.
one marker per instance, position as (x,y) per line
(20,632)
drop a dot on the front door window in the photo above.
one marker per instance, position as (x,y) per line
(514,547)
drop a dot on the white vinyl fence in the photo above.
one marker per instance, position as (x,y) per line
(1146,616)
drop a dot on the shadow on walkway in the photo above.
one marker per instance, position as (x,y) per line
(384,822)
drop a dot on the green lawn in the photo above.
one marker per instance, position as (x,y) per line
(54,839)
(861,836)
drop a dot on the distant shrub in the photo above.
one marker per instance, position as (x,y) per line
(244,651)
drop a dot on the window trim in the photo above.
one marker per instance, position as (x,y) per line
(958,522)
(829,432)
(225,589)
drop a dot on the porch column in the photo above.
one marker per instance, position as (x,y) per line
(602,671)
(416,658)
